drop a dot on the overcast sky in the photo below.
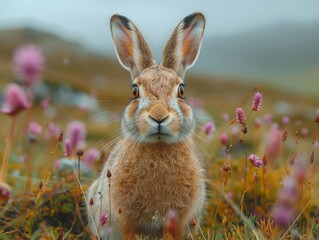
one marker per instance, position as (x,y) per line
(87,21)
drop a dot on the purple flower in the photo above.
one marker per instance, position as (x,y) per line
(257,101)
(5,191)
(285,120)
(35,129)
(67,148)
(91,156)
(76,132)
(223,138)
(272,142)
(255,160)
(283,215)
(104,218)
(28,64)
(209,128)
(226,117)
(53,131)
(268,118)
(15,100)
(240,116)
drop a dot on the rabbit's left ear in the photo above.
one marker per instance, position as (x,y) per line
(182,49)
(131,49)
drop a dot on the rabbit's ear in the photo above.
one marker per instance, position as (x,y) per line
(132,50)
(182,49)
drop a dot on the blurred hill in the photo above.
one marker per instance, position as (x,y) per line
(286,55)
(71,64)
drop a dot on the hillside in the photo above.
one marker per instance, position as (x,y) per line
(70,64)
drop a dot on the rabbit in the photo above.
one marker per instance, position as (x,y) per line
(154,168)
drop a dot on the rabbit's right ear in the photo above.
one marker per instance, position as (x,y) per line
(182,49)
(132,50)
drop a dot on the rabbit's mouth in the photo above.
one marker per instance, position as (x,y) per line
(159,136)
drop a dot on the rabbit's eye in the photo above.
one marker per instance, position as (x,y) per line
(181,91)
(135,91)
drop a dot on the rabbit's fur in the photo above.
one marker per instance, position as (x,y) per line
(154,166)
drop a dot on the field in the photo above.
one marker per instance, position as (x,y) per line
(275,197)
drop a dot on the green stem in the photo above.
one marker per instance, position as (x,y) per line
(5,161)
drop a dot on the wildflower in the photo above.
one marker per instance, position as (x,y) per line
(76,132)
(240,116)
(171,222)
(284,211)
(255,160)
(5,191)
(223,138)
(304,131)
(272,142)
(91,156)
(268,118)
(234,130)
(285,120)
(53,131)
(34,130)
(209,128)
(226,117)
(28,64)
(15,100)
(104,218)
(24,158)
(44,104)
(67,148)
(257,101)
(283,215)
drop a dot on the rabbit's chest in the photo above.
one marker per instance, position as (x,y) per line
(150,187)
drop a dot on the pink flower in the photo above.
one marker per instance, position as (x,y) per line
(272,142)
(28,64)
(104,218)
(171,222)
(15,100)
(53,131)
(240,116)
(76,132)
(268,118)
(209,128)
(91,156)
(255,160)
(5,191)
(226,117)
(35,129)
(304,131)
(285,120)
(223,138)
(283,215)
(257,101)
(67,148)
(284,211)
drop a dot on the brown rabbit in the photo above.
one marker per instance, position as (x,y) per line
(154,166)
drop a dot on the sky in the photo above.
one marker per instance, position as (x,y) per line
(87,21)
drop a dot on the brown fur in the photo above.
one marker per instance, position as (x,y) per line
(151,179)
(154,166)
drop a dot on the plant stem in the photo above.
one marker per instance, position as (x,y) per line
(4,167)
(29,170)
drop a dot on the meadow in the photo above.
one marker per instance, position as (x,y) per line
(59,122)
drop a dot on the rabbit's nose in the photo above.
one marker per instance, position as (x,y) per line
(158,113)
